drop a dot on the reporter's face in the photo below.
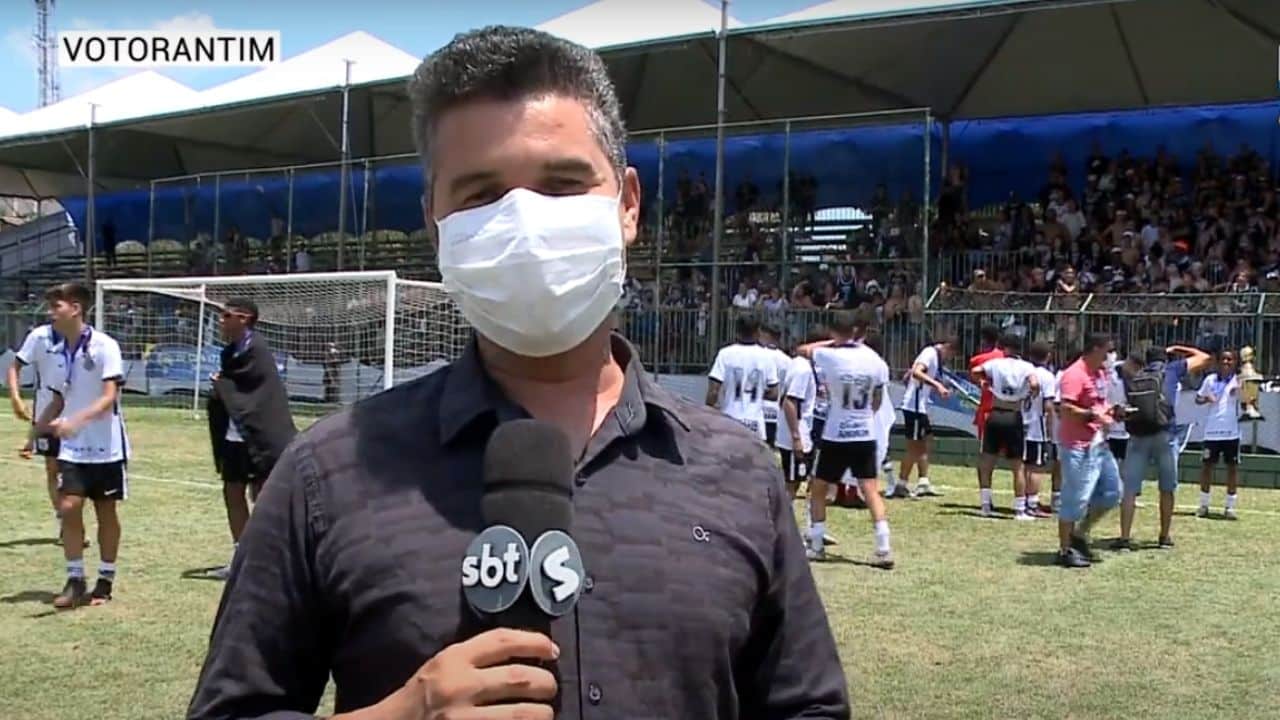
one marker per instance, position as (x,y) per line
(485,148)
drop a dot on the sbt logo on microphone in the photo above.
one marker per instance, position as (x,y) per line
(498,565)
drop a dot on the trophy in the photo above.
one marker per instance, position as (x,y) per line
(1250,385)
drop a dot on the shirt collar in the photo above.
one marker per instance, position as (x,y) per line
(470,394)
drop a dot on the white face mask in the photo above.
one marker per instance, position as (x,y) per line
(536,274)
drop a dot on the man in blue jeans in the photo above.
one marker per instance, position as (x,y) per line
(1160,446)
(1090,476)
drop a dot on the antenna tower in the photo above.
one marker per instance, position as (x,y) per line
(46,54)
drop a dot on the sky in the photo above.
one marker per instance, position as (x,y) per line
(416,26)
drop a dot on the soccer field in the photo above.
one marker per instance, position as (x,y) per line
(975,621)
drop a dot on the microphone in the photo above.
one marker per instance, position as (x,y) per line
(524,569)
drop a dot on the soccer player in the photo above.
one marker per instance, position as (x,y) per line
(1011,381)
(37,351)
(86,417)
(855,376)
(1220,392)
(249,420)
(990,351)
(743,376)
(1090,476)
(795,441)
(1039,451)
(923,380)
(770,336)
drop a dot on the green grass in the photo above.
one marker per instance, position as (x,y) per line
(975,622)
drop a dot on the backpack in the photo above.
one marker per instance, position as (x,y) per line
(1152,410)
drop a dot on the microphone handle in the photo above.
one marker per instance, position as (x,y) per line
(526,615)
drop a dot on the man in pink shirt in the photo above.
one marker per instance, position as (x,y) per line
(1090,475)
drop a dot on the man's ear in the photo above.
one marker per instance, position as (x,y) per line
(629,206)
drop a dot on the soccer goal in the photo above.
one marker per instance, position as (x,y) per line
(337,337)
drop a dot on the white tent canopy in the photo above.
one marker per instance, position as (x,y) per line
(608,23)
(318,69)
(965,60)
(133,96)
(858,9)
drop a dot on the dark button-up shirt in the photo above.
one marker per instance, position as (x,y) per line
(698,602)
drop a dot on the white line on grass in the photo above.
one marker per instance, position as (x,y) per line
(1271,513)
(132,475)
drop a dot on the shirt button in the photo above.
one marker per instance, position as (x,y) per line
(594,694)
(589,584)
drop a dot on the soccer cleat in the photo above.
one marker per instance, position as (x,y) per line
(1039,512)
(1070,558)
(899,492)
(1203,511)
(828,540)
(101,592)
(74,594)
(1122,545)
(987,512)
(1166,543)
(1023,516)
(1081,546)
(815,555)
(1230,514)
(883,559)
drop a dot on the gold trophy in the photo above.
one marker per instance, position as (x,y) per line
(1250,385)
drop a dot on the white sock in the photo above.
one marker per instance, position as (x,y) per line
(107,571)
(985,494)
(75,568)
(1205,498)
(882,536)
(922,481)
(1231,501)
(1033,502)
(1020,506)
(817,532)
(1055,500)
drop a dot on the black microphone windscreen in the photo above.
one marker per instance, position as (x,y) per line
(528,478)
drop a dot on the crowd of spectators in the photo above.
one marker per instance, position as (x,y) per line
(1136,225)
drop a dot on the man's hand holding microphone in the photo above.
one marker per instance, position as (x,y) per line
(521,572)
(478,679)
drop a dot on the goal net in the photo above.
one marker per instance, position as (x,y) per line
(336,337)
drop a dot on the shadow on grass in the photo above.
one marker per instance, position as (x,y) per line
(29,542)
(43,597)
(974,511)
(205,573)
(835,559)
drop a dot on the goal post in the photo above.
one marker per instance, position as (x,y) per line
(336,337)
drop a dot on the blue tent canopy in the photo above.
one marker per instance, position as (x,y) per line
(1003,156)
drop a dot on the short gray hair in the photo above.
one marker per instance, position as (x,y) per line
(507,63)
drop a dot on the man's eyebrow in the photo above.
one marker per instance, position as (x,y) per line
(477,177)
(569,165)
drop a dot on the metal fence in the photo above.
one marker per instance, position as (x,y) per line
(1135,322)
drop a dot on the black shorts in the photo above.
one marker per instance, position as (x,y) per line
(95,481)
(1003,434)
(237,466)
(1039,453)
(916,425)
(1119,447)
(47,445)
(859,458)
(771,433)
(1227,450)
(795,468)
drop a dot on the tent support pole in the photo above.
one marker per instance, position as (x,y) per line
(346,158)
(151,224)
(90,215)
(924,204)
(718,212)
